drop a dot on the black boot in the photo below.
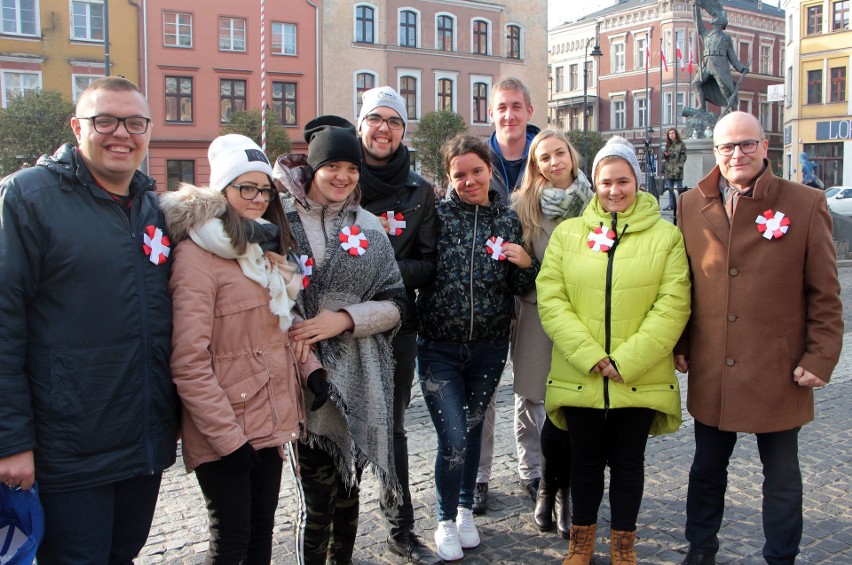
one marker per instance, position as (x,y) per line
(694,557)
(544,501)
(563,513)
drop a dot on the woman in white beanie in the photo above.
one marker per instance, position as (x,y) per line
(234,283)
(614,297)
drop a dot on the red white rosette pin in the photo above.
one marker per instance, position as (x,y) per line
(353,241)
(600,240)
(772,224)
(156,245)
(307,264)
(494,247)
(396,222)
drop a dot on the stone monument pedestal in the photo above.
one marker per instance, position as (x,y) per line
(699,160)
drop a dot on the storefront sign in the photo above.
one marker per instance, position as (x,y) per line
(839,130)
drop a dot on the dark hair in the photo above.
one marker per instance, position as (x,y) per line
(461,145)
(233,225)
(111,83)
(669,139)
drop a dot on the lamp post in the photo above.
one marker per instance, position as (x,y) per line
(596,52)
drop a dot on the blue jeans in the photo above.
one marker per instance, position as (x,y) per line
(458,381)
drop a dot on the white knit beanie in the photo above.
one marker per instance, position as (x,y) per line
(383,96)
(232,155)
(618,147)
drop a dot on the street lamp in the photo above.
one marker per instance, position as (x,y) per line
(596,52)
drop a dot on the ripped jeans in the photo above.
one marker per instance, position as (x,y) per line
(458,381)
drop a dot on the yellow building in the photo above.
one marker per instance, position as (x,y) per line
(817,102)
(59,44)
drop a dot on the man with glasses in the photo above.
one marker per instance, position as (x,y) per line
(766,329)
(405,203)
(88,406)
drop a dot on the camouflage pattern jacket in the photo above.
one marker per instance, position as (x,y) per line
(471,298)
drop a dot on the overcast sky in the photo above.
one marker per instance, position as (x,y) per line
(560,11)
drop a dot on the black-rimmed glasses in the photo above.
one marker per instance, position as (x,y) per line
(375,120)
(249,192)
(747,147)
(104,123)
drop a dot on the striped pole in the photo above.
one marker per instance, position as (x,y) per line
(262,79)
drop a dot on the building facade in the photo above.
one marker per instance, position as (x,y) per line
(437,54)
(816,91)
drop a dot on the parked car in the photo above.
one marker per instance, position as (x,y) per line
(840,200)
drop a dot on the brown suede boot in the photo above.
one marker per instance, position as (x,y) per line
(581,546)
(622,548)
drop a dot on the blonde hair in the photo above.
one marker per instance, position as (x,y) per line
(526,201)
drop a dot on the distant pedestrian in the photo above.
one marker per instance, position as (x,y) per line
(809,176)
(675,157)
(766,328)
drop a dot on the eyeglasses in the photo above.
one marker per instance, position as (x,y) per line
(375,120)
(748,147)
(104,123)
(249,192)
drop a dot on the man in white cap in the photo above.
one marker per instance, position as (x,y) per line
(405,202)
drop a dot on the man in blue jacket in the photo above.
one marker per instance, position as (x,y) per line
(88,406)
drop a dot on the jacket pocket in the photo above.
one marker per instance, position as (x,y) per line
(252,404)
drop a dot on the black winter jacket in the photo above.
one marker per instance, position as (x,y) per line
(415,248)
(86,328)
(471,297)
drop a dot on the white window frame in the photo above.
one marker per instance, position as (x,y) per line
(489,41)
(671,116)
(178,27)
(749,51)
(283,26)
(355,87)
(418,75)
(418,17)
(521,40)
(487,79)
(573,76)
(88,4)
(232,31)
(18,22)
(770,58)
(618,60)
(614,114)
(558,79)
(4,81)
(640,112)
(763,116)
(747,99)
(376,25)
(76,90)
(452,76)
(455,33)
(640,42)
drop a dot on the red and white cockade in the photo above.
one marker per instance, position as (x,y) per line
(156,245)
(601,240)
(494,247)
(772,224)
(396,222)
(353,241)
(307,264)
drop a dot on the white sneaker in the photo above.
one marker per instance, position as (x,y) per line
(468,536)
(447,541)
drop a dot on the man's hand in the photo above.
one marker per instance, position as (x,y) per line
(324,325)
(681,364)
(803,377)
(18,470)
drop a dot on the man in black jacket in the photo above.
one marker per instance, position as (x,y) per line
(88,406)
(405,202)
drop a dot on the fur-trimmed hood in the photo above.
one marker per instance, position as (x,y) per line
(189,207)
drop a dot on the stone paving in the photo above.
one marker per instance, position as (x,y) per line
(179,533)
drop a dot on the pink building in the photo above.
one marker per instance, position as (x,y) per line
(202,62)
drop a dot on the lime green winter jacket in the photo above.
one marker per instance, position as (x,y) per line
(625,297)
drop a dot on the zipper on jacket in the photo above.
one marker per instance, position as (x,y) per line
(608,306)
(472,254)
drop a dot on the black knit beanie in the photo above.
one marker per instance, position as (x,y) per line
(330,139)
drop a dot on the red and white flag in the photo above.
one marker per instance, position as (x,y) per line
(663,60)
(690,60)
(647,56)
(679,56)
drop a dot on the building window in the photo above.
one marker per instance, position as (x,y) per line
(513,39)
(179,99)
(640,118)
(365,24)
(617,122)
(408,90)
(838,84)
(765,116)
(788,99)
(560,79)
(840,13)
(232,98)
(829,161)
(19,82)
(670,114)
(813,24)
(588,77)
(641,43)
(232,34)
(765,60)
(572,77)
(79,83)
(283,39)
(445,95)
(87,20)
(480,37)
(480,103)
(815,86)
(177,29)
(445,33)
(408,28)
(618,57)
(363,83)
(284,102)
(19,17)
(178,171)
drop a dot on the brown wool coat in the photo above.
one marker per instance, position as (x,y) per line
(760,307)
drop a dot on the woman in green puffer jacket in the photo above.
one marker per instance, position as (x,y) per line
(614,297)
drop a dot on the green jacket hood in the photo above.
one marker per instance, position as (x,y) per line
(644,213)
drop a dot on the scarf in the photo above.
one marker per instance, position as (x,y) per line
(560,204)
(356,427)
(384,180)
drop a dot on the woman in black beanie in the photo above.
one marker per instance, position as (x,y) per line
(351,305)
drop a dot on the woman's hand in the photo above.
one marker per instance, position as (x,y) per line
(324,325)
(607,369)
(517,255)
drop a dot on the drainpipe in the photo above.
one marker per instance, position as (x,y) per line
(318,55)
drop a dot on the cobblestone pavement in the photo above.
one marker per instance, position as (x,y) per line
(179,533)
